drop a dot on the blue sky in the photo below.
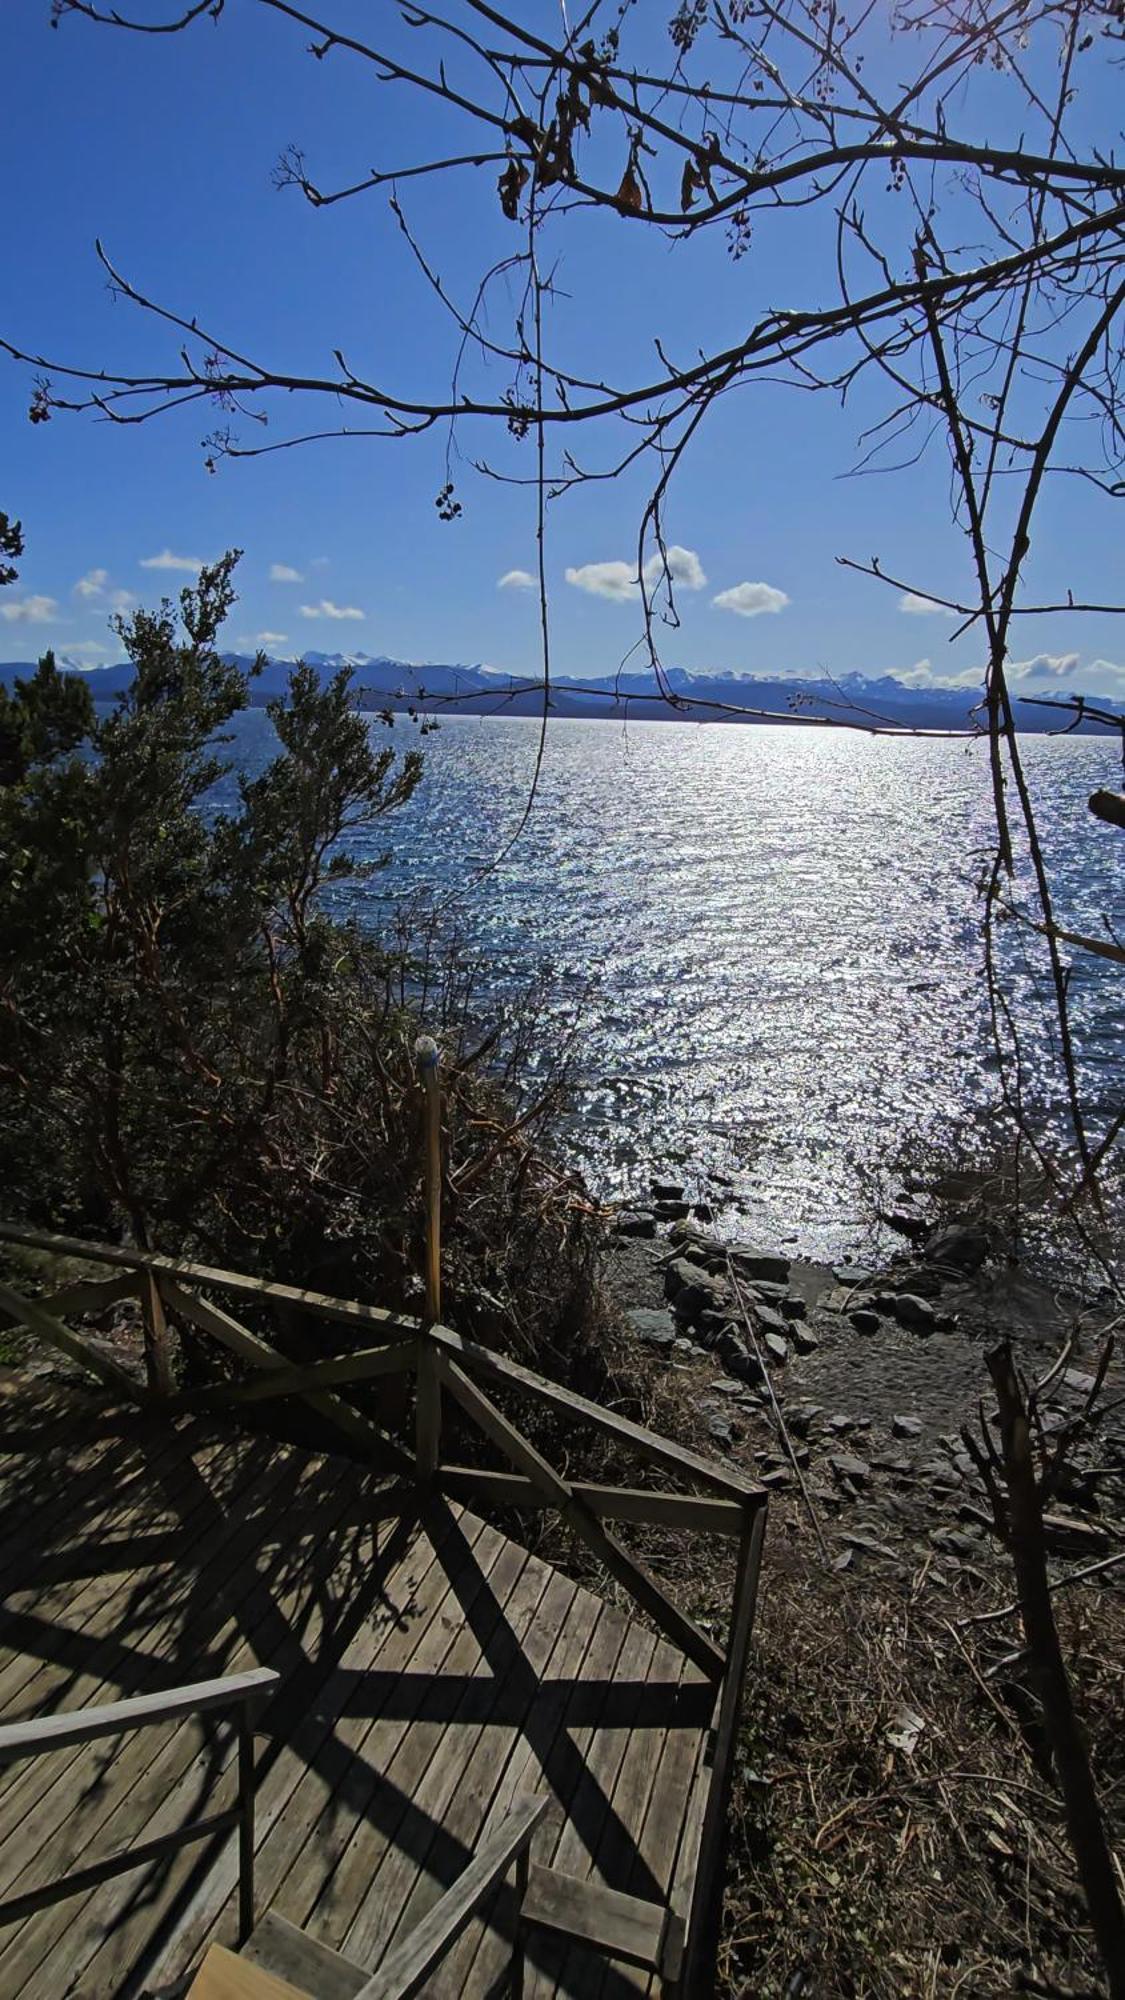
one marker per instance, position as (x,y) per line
(164,149)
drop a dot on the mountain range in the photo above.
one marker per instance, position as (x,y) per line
(435,688)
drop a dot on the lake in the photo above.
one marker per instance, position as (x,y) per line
(773,932)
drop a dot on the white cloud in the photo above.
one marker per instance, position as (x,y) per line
(92,584)
(191,565)
(120,600)
(749,600)
(683,565)
(326,609)
(516,579)
(923,607)
(620,582)
(1047,667)
(285,573)
(269,638)
(88,652)
(615,580)
(30,611)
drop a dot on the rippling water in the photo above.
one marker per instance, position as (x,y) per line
(777,929)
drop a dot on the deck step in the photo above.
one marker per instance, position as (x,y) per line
(624,1927)
(225,1975)
(278,1947)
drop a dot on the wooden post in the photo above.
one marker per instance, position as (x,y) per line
(245,1822)
(427,1413)
(428,1056)
(158,1363)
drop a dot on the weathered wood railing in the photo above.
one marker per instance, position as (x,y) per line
(445,1367)
(244,1693)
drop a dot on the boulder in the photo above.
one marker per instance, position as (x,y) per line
(653,1325)
(963,1245)
(793,1306)
(769,1320)
(804,1339)
(777,1347)
(635,1222)
(754,1264)
(671,1210)
(906,1427)
(913,1312)
(666,1191)
(846,1465)
(864,1320)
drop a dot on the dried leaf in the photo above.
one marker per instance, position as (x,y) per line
(904,1730)
(629,196)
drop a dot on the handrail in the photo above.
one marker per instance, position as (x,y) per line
(407,1967)
(40,1735)
(442,1360)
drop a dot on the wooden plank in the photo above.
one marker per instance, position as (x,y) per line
(630,1574)
(495,1367)
(278,1947)
(400,1746)
(703,1924)
(42,1802)
(28,1313)
(86,1296)
(541,1758)
(84,1725)
(115,1598)
(590,1914)
(69,1634)
(436,1769)
(656,1450)
(226,1975)
(394,1359)
(136,1855)
(311,1760)
(349,1312)
(165,1792)
(638,1504)
(251,1348)
(618,1745)
(405,1971)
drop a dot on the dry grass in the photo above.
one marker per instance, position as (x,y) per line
(863,1867)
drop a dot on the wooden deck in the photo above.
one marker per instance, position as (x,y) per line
(431,1670)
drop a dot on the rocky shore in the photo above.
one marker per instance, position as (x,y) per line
(850,1385)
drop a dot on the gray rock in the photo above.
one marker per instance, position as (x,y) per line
(666,1191)
(864,1320)
(770,1321)
(635,1222)
(914,1312)
(703,1210)
(852,1274)
(720,1430)
(753,1263)
(846,1465)
(692,1290)
(906,1427)
(670,1211)
(652,1324)
(839,1425)
(776,1480)
(892,1461)
(804,1339)
(939,1472)
(962,1245)
(777,1347)
(800,1418)
(869,1545)
(954,1542)
(683,1347)
(737,1358)
(793,1306)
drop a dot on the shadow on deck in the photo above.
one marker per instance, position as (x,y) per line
(431,1670)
